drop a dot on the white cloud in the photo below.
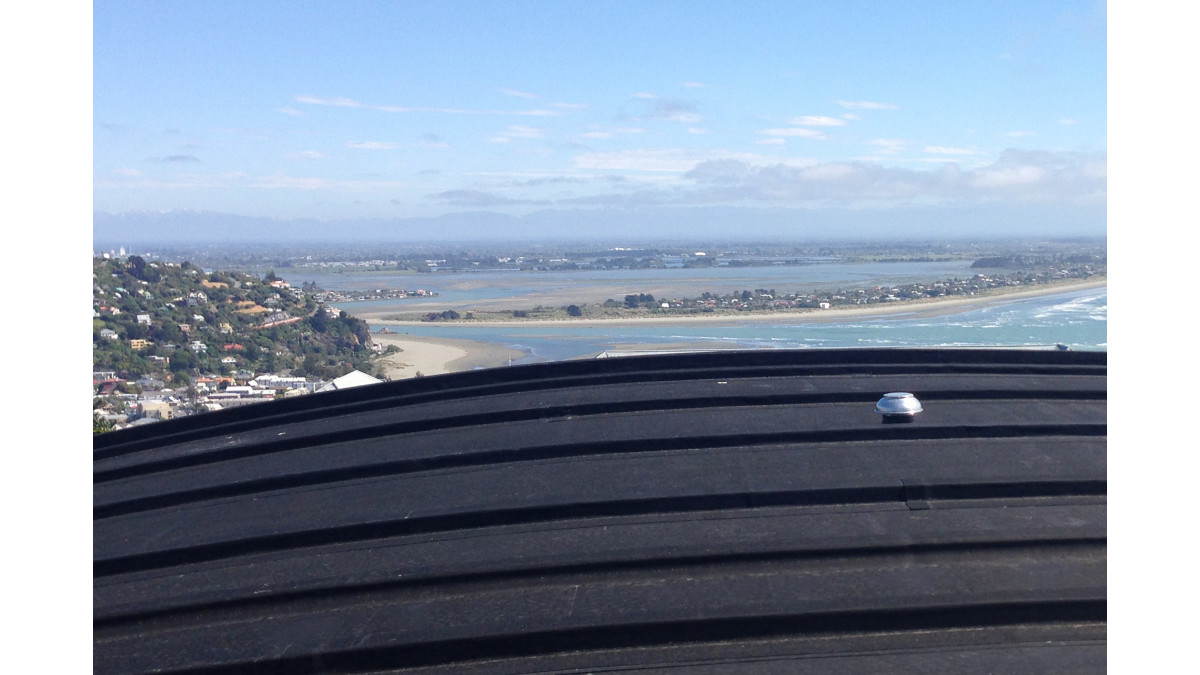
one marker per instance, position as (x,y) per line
(1068,121)
(794,132)
(827,172)
(570,106)
(697,130)
(1016,177)
(868,105)
(771,141)
(518,94)
(817,121)
(1007,177)
(1020,134)
(598,134)
(289,111)
(943,150)
(372,145)
(307,154)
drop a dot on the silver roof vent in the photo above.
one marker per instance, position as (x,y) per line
(898,406)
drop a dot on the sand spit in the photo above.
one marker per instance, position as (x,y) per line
(916,309)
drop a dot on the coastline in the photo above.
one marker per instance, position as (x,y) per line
(922,308)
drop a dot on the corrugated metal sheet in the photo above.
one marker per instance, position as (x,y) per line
(721,511)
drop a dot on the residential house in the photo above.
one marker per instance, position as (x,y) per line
(159,408)
(138,344)
(108,333)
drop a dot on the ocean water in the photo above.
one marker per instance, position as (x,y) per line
(1077,319)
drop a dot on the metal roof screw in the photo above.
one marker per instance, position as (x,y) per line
(898,406)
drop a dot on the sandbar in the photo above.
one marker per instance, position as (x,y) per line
(917,309)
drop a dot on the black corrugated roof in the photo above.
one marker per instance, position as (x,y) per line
(727,510)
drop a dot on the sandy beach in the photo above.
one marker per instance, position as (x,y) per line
(924,308)
(435,356)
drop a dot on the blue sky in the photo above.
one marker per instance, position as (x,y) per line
(336,110)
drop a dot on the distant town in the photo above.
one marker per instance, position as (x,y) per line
(176,335)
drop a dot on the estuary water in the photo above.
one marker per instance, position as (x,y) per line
(465,290)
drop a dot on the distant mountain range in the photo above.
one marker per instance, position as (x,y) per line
(714,223)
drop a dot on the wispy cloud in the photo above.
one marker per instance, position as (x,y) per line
(890,146)
(1068,121)
(289,111)
(518,94)
(697,131)
(868,105)
(240,179)
(516,131)
(306,154)
(372,145)
(943,150)
(433,141)
(771,141)
(794,132)
(339,102)
(282,182)
(180,158)
(475,199)
(610,133)
(674,110)
(1020,134)
(352,103)
(672,160)
(817,121)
